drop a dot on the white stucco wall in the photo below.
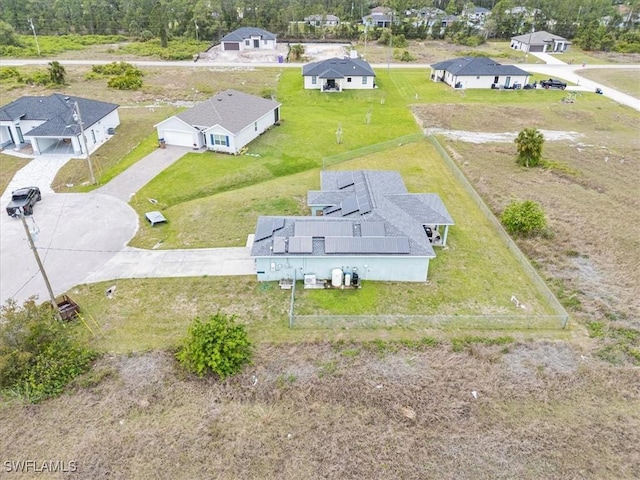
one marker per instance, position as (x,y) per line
(343,83)
(263,44)
(402,269)
(174,124)
(487,81)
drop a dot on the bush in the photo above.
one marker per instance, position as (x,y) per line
(125,82)
(39,355)
(524,218)
(218,345)
(116,68)
(403,56)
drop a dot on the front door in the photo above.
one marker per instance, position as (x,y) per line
(331,84)
(256,44)
(507,82)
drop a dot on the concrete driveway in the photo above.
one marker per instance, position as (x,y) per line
(82,237)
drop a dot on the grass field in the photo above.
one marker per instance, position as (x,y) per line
(9,165)
(624,80)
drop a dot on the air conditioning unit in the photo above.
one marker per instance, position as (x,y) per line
(310,280)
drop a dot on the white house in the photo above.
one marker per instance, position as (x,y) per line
(249,38)
(224,123)
(322,20)
(477,72)
(363,222)
(337,74)
(52,124)
(542,41)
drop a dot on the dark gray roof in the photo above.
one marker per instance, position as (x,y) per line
(232,110)
(474,66)
(344,67)
(56,111)
(539,38)
(392,219)
(247,32)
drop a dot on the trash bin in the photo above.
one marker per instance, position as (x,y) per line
(162,143)
(280,59)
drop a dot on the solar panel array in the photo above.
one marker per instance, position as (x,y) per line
(362,194)
(345,179)
(322,228)
(349,205)
(279,245)
(366,245)
(266,229)
(300,245)
(372,229)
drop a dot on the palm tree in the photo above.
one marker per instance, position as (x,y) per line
(56,73)
(529,144)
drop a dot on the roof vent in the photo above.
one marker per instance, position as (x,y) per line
(229,93)
(219,99)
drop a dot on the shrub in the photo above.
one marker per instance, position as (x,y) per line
(218,345)
(125,82)
(116,68)
(403,56)
(39,355)
(529,144)
(524,218)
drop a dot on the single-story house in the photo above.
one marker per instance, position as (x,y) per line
(378,20)
(224,123)
(249,38)
(542,41)
(477,72)
(337,74)
(476,13)
(361,221)
(52,124)
(322,20)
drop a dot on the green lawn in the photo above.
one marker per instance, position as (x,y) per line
(213,200)
(624,80)
(9,165)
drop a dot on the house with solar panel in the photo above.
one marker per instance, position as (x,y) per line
(337,74)
(362,222)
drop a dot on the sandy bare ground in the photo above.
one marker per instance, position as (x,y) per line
(312,52)
(504,137)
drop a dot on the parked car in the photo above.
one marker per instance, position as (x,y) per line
(23,198)
(551,83)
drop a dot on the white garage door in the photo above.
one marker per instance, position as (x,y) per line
(176,137)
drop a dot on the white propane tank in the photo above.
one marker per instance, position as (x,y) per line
(336,277)
(347,279)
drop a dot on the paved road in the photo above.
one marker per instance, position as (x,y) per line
(82,237)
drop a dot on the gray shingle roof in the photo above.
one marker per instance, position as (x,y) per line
(56,111)
(346,67)
(539,38)
(247,32)
(474,66)
(395,214)
(232,110)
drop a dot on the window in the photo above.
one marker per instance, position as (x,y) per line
(348,79)
(219,140)
(364,80)
(247,42)
(93,136)
(314,79)
(255,126)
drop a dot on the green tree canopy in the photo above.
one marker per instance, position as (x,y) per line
(529,144)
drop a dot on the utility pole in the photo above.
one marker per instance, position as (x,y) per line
(78,118)
(33,28)
(52,297)
(195,22)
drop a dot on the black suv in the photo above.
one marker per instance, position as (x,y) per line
(551,83)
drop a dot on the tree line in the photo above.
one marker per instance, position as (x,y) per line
(596,24)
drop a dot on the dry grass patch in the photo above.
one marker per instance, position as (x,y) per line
(344,411)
